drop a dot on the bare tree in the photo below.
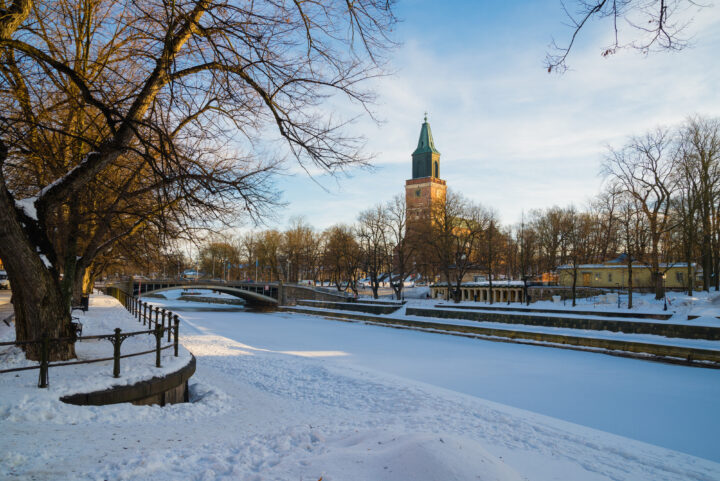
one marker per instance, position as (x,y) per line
(189,83)
(401,243)
(342,257)
(643,25)
(454,231)
(373,239)
(699,178)
(576,231)
(645,170)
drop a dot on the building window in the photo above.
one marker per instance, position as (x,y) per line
(609,276)
(679,276)
(597,277)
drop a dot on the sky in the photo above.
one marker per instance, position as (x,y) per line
(512,137)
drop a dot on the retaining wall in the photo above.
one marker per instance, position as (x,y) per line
(292,293)
(629,327)
(530,310)
(169,389)
(657,352)
(352,306)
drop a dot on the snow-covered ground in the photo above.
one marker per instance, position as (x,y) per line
(104,316)
(705,305)
(280,396)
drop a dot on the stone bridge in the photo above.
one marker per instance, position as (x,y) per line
(254,293)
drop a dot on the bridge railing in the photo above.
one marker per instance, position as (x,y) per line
(164,322)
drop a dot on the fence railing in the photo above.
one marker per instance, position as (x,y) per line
(164,322)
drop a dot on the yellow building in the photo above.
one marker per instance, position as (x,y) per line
(614,273)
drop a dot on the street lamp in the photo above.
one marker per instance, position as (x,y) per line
(664,293)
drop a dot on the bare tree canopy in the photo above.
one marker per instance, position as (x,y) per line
(116,113)
(644,25)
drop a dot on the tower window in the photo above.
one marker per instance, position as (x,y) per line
(436,172)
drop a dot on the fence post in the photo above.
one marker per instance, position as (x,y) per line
(162,318)
(158,340)
(44,356)
(116,352)
(177,328)
(145,313)
(170,323)
(157,314)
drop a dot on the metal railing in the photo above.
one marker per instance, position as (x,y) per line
(164,322)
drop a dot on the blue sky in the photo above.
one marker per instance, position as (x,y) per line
(512,136)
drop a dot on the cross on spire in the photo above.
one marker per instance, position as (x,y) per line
(425,116)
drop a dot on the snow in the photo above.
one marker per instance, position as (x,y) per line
(706,305)
(27,206)
(281,396)
(57,181)
(23,401)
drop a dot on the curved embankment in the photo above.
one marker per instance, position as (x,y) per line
(168,389)
(641,350)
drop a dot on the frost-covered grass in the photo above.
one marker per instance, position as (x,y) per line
(280,396)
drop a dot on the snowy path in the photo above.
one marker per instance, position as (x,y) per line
(287,397)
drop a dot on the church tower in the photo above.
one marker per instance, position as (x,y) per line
(426,185)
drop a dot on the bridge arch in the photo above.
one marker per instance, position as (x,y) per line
(250,296)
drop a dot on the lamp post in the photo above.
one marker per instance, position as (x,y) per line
(618,293)
(664,293)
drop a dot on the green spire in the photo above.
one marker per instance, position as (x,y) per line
(425,142)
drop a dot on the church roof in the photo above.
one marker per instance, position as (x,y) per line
(425,142)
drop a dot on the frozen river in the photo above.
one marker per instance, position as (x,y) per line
(666,405)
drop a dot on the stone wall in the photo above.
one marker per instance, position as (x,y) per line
(168,389)
(292,293)
(658,352)
(352,306)
(629,327)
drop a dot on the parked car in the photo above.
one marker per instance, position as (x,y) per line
(4,281)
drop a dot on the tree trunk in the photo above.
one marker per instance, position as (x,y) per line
(574,285)
(374,285)
(630,283)
(490,290)
(82,285)
(655,262)
(458,291)
(40,307)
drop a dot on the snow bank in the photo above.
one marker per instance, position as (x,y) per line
(23,401)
